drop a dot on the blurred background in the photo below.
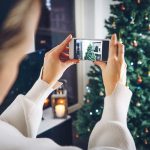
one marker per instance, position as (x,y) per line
(130,19)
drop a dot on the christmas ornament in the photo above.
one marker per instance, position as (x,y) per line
(132,20)
(122,7)
(145,141)
(139,80)
(134,43)
(114,25)
(138,1)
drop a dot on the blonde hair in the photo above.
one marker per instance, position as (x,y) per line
(12,31)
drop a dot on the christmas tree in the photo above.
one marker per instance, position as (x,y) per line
(130,20)
(89,55)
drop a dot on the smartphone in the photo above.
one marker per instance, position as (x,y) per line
(89,49)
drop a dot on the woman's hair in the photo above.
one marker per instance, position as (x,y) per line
(14,21)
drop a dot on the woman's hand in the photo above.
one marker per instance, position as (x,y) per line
(56,61)
(115,69)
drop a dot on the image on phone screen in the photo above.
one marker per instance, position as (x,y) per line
(91,49)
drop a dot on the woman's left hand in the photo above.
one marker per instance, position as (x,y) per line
(56,61)
(115,69)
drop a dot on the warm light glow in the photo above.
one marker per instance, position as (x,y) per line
(60,110)
(61,101)
(46,102)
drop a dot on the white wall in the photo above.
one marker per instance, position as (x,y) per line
(90,17)
(102,12)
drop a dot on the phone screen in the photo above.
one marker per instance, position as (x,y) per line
(91,49)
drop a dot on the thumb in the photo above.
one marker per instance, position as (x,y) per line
(71,62)
(102,65)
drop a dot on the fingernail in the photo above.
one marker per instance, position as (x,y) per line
(114,36)
(69,36)
(122,45)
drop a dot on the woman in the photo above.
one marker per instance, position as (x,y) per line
(20,121)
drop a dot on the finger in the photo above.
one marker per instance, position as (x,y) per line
(102,65)
(121,52)
(64,44)
(66,50)
(113,46)
(123,74)
(65,55)
(58,47)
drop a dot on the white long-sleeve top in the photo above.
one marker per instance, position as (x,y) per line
(19,123)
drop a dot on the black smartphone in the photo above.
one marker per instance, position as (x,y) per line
(89,49)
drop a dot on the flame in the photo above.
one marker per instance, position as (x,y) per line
(61,101)
(46,102)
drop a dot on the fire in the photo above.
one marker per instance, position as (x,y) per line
(46,102)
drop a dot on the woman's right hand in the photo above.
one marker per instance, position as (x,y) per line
(54,67)
(115,69)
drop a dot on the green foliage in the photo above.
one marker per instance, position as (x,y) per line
(130,19)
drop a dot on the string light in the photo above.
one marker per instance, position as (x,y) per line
(88,89)
(101,93)
(96,110)
(77,136)
(88,129)
(139,62)
(84,99)
(48,5)
(132,63)
(91,113)
(88,101)
(138,104)
(137,136)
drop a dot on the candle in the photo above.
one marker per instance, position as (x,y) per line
(60,110)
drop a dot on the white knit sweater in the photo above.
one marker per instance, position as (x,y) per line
(20,121)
